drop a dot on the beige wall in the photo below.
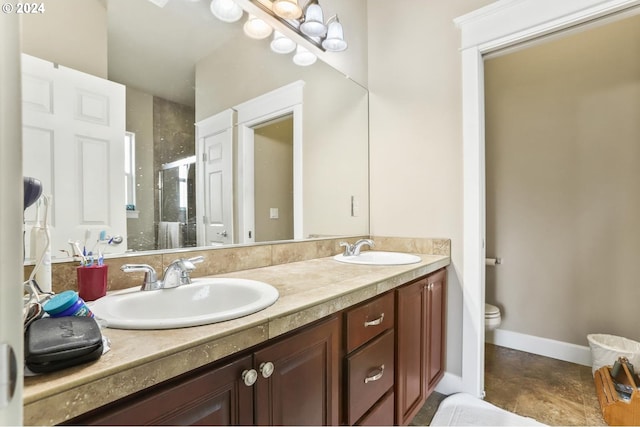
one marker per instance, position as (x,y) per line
(335,128)
(563,206)
(53,35)
(273,171)
(416,131)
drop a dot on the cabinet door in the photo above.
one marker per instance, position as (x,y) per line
(436,290)
(216,397)
(303,387)
(411,348)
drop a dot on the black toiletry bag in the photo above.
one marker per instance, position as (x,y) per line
(54,343)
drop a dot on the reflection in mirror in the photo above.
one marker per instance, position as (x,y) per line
(177,66)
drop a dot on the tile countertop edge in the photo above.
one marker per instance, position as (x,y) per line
(92,390)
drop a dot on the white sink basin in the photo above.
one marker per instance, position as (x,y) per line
(379,258)
(202,302)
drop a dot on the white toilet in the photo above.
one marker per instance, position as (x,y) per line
(492,317)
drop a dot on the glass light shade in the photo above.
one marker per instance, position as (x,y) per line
(303,57)
(313,25)
(256,28)
(226,10)
(335,38)
(287,9)
(282,44)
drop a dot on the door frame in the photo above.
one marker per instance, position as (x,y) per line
(499,25)
(269,106)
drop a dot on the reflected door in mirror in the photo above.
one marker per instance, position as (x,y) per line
(73,142)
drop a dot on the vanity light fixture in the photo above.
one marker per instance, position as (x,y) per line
(282,44)
(335,36)
(256,28)
(307,22)
(313,23)
(226,10)
(304,57)
(287,9)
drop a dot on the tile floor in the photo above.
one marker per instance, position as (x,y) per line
(552,391)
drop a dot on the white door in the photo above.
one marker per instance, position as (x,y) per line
(73,141)
(11,202)
(214,203)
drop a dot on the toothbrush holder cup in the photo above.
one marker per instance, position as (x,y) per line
(92,281)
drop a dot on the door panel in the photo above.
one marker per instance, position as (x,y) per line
(216,397)
(303,389)
(437,304)
(411,351)
(73,142)
(215,180)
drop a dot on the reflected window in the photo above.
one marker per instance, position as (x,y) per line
(129,170)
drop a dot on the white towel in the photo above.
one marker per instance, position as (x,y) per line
(169,235)
(463,409)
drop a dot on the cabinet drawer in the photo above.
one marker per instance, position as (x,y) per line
(381,414)
(370,373)
(369,320)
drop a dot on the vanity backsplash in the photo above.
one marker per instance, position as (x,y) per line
(224,260)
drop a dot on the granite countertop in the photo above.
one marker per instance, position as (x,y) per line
(309,290)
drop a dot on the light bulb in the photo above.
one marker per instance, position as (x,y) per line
(303,57)
(226,10)
(287,9)
(256,28)
(282,44)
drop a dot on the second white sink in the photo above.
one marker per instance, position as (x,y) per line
(206,300)
(379,258)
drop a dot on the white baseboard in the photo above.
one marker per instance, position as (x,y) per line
(542,346)
(450,384)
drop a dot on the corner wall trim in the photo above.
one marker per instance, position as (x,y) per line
(450,384)
(541,346)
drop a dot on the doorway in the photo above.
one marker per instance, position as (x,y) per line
(484,31)
(273,179)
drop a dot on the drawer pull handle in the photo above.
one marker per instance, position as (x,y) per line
(249,377)
(375,322)
(375,377)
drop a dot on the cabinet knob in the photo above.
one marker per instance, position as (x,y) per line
(375,322)
(249,377)
(266,369)
(375,377)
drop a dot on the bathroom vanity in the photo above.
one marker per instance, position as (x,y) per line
(344,344)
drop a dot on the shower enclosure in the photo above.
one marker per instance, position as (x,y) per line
(177,204)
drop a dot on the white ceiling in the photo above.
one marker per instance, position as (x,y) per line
(155,49)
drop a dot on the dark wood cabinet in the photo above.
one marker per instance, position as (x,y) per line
(213,397)
(420,311)
(303,388)
(296,383)
(369,361)
(436,310)
(374,363)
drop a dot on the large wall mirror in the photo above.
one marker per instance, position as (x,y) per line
(223,141)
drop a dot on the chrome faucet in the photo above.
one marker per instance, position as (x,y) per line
(354,250)
(150,282)
(176,274)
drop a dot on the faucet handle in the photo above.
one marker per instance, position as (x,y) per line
(150,276)
(197,259)
(348,249)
